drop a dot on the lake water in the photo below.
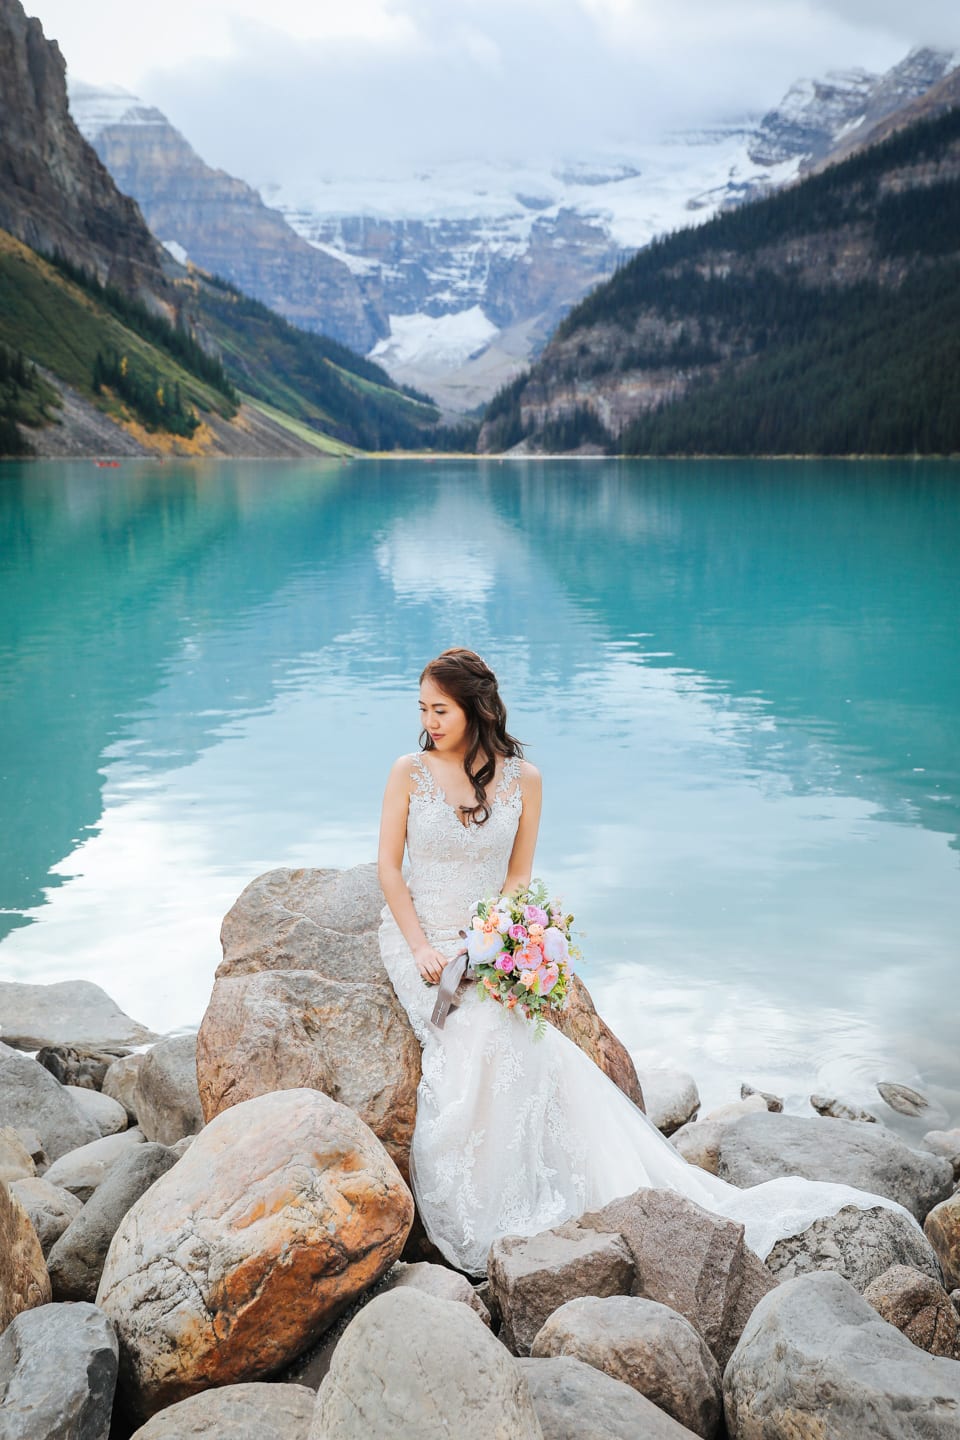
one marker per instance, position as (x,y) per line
(741,682)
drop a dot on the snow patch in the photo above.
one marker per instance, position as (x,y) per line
(176,250)
(435,342)
(95,107)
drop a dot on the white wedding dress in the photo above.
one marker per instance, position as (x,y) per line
(514,1135)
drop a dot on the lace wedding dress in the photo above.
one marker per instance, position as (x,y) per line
(514,1135)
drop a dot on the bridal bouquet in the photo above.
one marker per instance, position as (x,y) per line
(519,949)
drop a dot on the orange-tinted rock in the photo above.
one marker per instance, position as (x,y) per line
(284,1208)
(283,1029)
(24,1281)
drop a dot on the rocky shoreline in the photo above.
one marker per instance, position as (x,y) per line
(213,1234)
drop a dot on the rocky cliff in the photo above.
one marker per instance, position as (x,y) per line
(54,190)
(222,224)
(823,315)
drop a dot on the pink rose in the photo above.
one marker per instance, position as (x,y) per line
(504,960)
(535,913)
(517,932)
(549,976)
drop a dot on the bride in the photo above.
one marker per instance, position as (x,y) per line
(514,1135)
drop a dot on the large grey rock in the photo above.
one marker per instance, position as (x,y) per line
(415,1367)
(671,1097)
(58,1372)
(761,1147)
(29,1095)
(575,1401)
(689,1259)
(50,1207)
(76,1260)
(167,1098)
(857,1244)
(919,1307)
(107,1114)
(531,1275)
(82,1170)
(16,1162)
(68,1012)
(815,1360)
(322,920)
(120,1082)
(947,1144)
(253,1410)
(646,1345)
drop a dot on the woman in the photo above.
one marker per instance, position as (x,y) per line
(514,1135)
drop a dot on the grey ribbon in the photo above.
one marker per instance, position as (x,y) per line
(450,977)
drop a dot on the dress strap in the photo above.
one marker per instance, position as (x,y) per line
(420,772)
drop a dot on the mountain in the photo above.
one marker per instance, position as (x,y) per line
(222,224)
(108,344)
(464,270)
(824,319)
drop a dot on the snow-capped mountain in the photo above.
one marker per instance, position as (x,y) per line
(454,277)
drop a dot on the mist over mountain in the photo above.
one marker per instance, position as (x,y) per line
(453,276)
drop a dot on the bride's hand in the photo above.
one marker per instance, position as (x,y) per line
(430,962)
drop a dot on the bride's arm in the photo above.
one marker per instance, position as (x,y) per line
(393,834)
(520,867)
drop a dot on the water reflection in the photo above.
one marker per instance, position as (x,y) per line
(729,675)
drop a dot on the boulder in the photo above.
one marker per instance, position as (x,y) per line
(320,920)
(575,1401)
(167,1100)
(762,1147)
(815,1359)
(50,1207)
(723,1114)
(252,1411)
(773,1102)
(16,1162)
(942,1229)
(107,1114)
(29,1095)
(68,1012)
(76,1260)
(919,1307)
(531,1275)
(857,1244)
(947,1144)
(24,1281)
(690,1259)
(120,1082)
(80,1171)
(415,1367)
(835,1109)
(58,1372)
(646,1345)
(282,1211)
(671,1096)
(903,1099)
(326,921)
(439,1280)
(699,1143)
(30,1139)
(288,1029)
(79,1065)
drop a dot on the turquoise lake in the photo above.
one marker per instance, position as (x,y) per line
(741,681)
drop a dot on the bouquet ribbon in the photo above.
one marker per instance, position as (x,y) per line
(450,978)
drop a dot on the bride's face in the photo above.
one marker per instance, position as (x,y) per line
(442,717)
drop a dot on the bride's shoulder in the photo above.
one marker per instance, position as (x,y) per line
(528,774)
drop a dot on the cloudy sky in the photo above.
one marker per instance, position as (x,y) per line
(385,86)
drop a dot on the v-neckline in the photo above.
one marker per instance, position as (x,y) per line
(441,794)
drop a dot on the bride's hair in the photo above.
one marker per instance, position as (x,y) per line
(469,681)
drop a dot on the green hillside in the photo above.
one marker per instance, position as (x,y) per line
(824,319)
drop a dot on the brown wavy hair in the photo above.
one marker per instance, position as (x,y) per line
(470,682)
